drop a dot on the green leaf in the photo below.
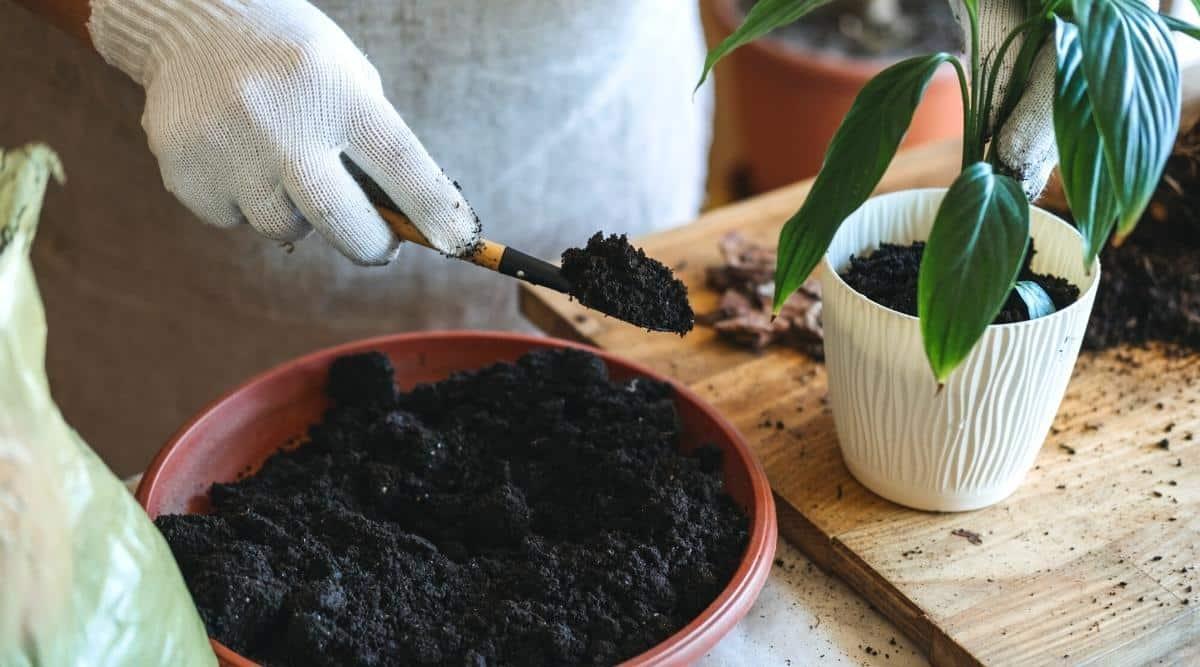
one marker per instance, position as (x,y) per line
(1132,74)
(763,17)
(857,157)
(1037,302)
(971,260)
(1080,148)
(1184,27)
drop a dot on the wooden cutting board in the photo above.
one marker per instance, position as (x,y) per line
(1094,560)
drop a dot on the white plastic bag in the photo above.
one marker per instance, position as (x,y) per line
(85,577)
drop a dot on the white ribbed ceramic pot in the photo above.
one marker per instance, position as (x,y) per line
(971,444)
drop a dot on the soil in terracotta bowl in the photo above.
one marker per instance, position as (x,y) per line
(888,276)
(531,513)
(613,277)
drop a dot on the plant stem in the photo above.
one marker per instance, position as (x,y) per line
(972,141)
(966,100)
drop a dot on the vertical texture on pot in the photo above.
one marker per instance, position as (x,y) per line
(970,444)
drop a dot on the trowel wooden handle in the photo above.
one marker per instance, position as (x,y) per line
(490,255)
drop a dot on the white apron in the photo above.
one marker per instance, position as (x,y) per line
(558,118)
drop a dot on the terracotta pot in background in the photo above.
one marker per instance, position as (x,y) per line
(786,103)
(234,435)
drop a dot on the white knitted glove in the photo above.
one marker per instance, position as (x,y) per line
(249,104)
(1025,143)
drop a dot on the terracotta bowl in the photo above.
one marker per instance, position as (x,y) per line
(234,435)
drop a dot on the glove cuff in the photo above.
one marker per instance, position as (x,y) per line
(121,31)
(128,33)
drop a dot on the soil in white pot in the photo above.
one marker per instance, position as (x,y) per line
(846,28)
(888,277)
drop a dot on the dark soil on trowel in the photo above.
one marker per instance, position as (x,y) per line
(888,277)
(534,513)
(613,277)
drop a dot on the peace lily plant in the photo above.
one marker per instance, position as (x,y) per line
(1116,114)
(966,436)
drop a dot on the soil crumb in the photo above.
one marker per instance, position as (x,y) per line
(746,280)
(613,277)
(968,535)
(888,277)
(533,513)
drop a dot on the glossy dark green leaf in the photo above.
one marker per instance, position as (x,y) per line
(763,17)
(971,260)
(1037,302)
(1080,148)
(1184,27)
(857,157)
(1133,83)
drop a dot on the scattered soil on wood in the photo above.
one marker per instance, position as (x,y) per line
(888,277)
(746,281)
(1150,284)
(533,513)
(848,28)
(613,277)
(968,535)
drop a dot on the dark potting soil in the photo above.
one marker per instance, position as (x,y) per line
(612,276)
(1149,288)
(845,28)
(888,277)
(1150,285)
(534,513)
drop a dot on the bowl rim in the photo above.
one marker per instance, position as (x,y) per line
(686,644)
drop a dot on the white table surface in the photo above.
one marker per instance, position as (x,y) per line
(806,617)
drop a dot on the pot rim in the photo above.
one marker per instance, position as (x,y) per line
(826,268)
(686,644)
(822,62)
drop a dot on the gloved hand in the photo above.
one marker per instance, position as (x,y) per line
(249,104)
(1025,143)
